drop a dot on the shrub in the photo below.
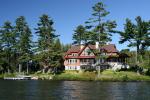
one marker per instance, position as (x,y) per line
(148,72)
(125,78)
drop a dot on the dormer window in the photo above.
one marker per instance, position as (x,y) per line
(74,54)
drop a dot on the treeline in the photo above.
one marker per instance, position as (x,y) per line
(18,51)
(98,29)
(143,59)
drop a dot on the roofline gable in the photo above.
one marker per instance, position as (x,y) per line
(84,49)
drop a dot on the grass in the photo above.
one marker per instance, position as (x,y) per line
(42,76)
(110,75)
(75,75)
(107,75)
(1,76)
(7,75)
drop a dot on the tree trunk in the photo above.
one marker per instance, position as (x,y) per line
(27,68)
(43,70)
(20,67)
(137,54)
(8,71)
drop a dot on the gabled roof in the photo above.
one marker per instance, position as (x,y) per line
(92,47)
(74,49)
(111,48)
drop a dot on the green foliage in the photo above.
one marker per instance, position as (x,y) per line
(65,47)
(144,59)
(50,53)
(101,29)
(45,32)
(7,37)
(137,35)
(24,58)
(23,35)
(96,29)
(80,34)
(109,75)
(75,75)
(57,45)
(24,41)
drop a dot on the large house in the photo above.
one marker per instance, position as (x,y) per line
(80,56)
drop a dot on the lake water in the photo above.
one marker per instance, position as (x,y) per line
(73,90)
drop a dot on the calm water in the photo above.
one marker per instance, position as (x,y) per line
(73,90)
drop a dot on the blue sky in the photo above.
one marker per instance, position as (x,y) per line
(67,14)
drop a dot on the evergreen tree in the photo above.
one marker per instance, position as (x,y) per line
(58,45)
(80,35)
(101,29)
(46,34)
(24,41)
(1,54)
(7,43)
(137,35)
(57,56)
(65,47)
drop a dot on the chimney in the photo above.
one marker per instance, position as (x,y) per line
(97,45)
(81,45)
(108,43)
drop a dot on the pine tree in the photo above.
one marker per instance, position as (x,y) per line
(7,43)
(24,41)
(65,47)
(101,29)
(57,45)
(80,35)
(46,34)
(136,34)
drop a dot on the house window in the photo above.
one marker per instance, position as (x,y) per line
(75,67)
(75,60)
(72,61)
(74,54)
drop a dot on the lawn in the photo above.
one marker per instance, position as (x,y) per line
(107,75)
(75,75)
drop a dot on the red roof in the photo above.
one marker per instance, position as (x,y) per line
(111,48)
(108,48)
(80,57)
(74,49)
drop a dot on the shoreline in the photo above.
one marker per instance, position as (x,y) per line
(82,80)
(105,76)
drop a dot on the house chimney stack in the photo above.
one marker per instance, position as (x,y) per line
(107,43)
(97,45)
(81,45)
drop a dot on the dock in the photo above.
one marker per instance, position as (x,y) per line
(19,77)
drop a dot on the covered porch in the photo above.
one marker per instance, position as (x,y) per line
(120,58)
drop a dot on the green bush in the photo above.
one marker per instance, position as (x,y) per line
(125,78)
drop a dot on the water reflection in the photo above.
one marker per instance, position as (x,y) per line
(73,90)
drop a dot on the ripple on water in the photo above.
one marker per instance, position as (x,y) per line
(73,90)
